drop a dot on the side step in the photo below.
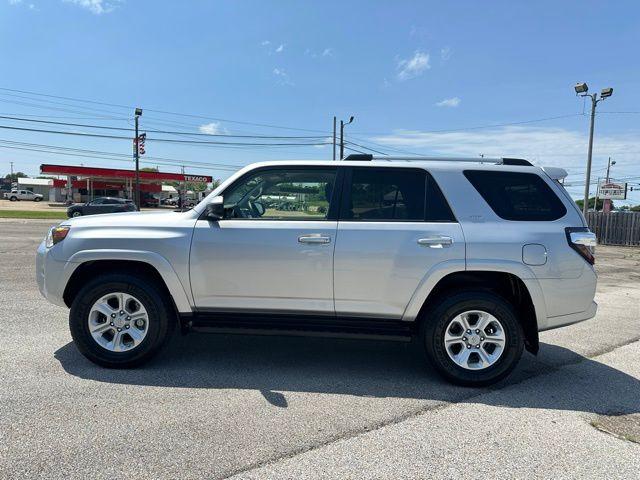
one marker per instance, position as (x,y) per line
(300,325)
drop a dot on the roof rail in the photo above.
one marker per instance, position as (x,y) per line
(363,157)
(496,161)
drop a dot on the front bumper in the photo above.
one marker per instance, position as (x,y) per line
(50,276)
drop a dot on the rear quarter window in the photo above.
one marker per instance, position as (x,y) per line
(517,196)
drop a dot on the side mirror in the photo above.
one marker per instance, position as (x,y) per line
(215,209)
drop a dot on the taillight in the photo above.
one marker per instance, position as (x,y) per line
(582,241)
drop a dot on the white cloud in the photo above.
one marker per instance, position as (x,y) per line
(328,141)
(542,145)
(449,102)
(30,6)
(282,76)
(280,48)
(414,66)
(445,53)
(327,52)
(97,7)
(264,43)
(213,128)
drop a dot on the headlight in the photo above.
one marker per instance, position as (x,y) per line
(56,235)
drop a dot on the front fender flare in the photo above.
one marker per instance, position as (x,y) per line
(157,261)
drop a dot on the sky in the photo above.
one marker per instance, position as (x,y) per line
(461,78)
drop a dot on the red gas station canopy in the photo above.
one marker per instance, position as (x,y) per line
(114,173)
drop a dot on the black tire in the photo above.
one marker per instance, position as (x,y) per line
(160,312)
(75,214)
(437,319)
(13,199)
(37,199)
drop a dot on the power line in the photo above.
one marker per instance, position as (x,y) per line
(126,156)
(118,157)
(103,127)
(366,148)
(164,112)
(165,140)
(494,125)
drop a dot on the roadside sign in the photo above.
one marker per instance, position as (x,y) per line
(140,143)
(612,190)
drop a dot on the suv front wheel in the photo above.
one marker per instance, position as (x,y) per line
(473,338)
(120,320)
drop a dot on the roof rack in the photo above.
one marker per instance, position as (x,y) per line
(364,157)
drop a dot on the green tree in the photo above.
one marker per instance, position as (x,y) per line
(592,200)
(16,175)
(635,208)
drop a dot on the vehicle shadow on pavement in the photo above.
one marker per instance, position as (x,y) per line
(278,365)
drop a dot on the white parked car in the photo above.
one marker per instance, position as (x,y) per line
(15,195)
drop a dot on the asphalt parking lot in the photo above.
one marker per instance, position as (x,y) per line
(214,406)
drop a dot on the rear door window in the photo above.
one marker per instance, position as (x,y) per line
(385,194)
(517,196)
(393,194)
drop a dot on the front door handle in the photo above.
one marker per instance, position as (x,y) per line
(314,238)
(436,242)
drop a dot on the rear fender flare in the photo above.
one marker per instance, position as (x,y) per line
(441,270)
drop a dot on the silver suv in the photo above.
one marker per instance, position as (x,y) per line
(472,258)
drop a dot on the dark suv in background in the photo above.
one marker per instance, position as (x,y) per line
(101,205)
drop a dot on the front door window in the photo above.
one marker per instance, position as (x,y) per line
(274,194)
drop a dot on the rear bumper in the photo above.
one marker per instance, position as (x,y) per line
(564,320)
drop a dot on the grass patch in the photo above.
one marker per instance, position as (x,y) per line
(44,214)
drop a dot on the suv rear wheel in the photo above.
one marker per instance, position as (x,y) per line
(473,338)
(120,320)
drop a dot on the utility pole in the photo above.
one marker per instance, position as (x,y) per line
(334,137)
(342,125)
(183,190)
(334,157)
(136,155)
(582,90)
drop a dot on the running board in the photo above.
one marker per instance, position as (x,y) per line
(299,325)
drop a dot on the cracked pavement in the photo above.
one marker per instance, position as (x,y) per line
(212,406)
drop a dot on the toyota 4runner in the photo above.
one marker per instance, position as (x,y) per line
(471,257)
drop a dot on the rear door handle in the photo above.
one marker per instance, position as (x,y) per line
(314,238)
(436,242)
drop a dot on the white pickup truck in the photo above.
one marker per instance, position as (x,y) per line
(15,195)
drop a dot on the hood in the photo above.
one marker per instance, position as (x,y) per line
(132,219)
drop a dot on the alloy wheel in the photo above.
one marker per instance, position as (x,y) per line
(474,340)
(118,322)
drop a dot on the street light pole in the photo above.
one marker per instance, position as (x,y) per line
(585,207)
(582,89)
(342,125)
(136,155)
